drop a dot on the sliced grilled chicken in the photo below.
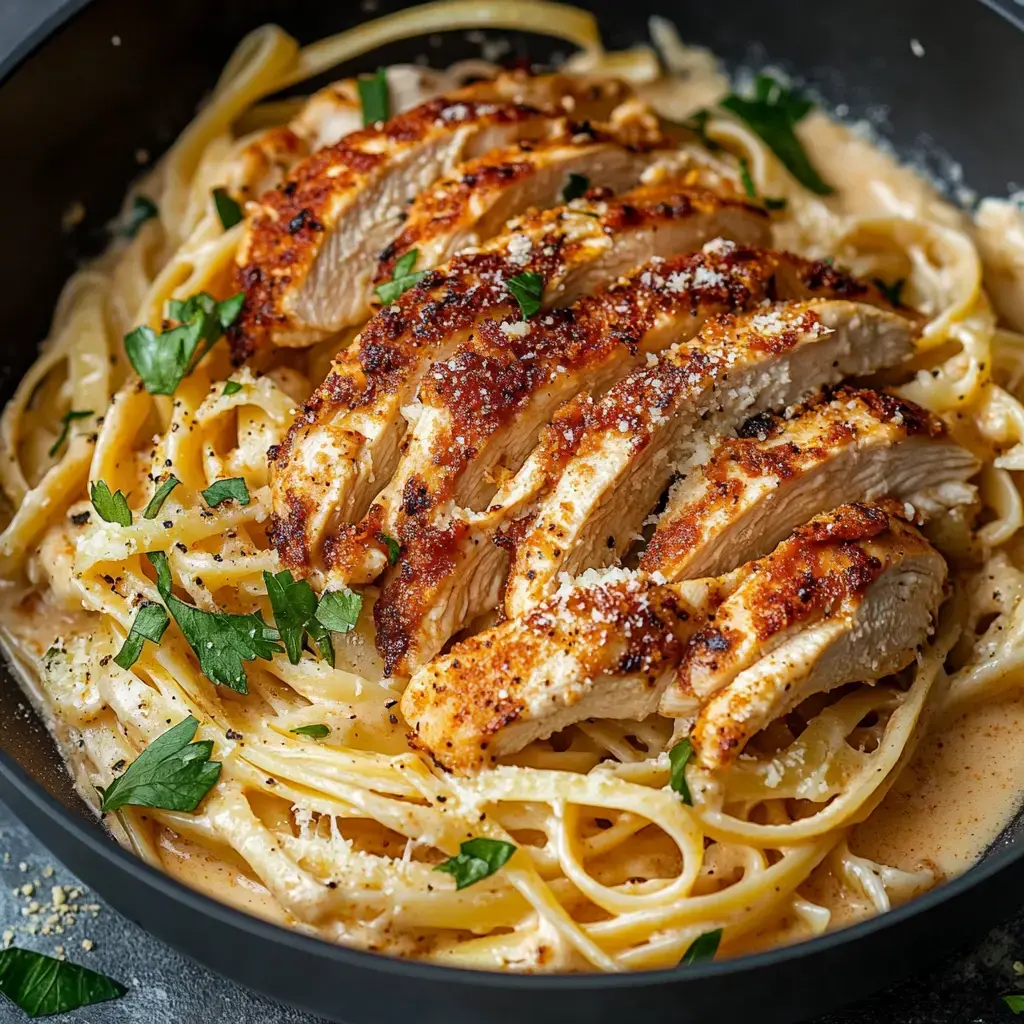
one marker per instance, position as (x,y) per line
(660,420)
(483,406)
(854,611)
(853,445)
(610,643)
(346,441)
(311,246)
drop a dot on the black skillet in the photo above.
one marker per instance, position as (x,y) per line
(75,109)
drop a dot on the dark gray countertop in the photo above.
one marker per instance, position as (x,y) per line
(165,988)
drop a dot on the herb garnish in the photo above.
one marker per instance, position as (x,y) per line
(149,624)
(402,278)
(231,387)
(375,97)
(476,860)
(232,489)
(163,360)
(159,497)
(704,947)
(172,773)
(1015,1002)
(747,181)
(576,186)
(772,113)
(297,612)
(528,289)
(111,508)
(698,124)
(71,414)
(142,209)
(339,610)
(229,211)
(394,548)
(317,732)
(42,985)
(678,757)
(893,292)
(222,641)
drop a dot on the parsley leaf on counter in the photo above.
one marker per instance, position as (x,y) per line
(394,548)
(476,860)
(149,624)
(402,278)
(111,508)
(339,610)
(228,210)
(576,186)
(893,292)
(317,732)
(374,97)
(772,113)
(142,209)
(41,985)
(219,491)
(172,773)
(159,497)
(231,387)
(704,947)
(164,360)
(222,641)
(678,756)
(528,289)
(71,414)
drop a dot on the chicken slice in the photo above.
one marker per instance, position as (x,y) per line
(852,445)
(482,409)
(346,440)
(311,246)
(611,643)
(659,421)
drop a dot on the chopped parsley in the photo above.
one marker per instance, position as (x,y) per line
(295,607)
(163,360)
(339,610)
(232,489)
(159,497)
(111,508)
(528,289)
(71,414)
(317,732)
(576,186)
(1015,1002)
(221,641)
(394,548)
(142,209)
(172,773)
(42,985)
(772,113)
(893,292)
(704,947)
(751,189)
(149,624)
(678,756)
(477,859)
(375,97)
(231,387)
(229,211)
(402,278)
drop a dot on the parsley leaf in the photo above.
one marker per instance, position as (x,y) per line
(231,387)
(751,189)
(375,97)
(142,209)
(229,211)
(222,641)
(41,985)
(163,360)
(678,757)
(111,508)
(1015,1002)
(294,603)
(394,548)
(219,491)
(159,497)
(528,289)
(172,773)
(893,292)
(402,278)
(149,624)
(704,947)
(772,112)
(576,186)
(339,610)
(476,860)
(317,732)
(71,414)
